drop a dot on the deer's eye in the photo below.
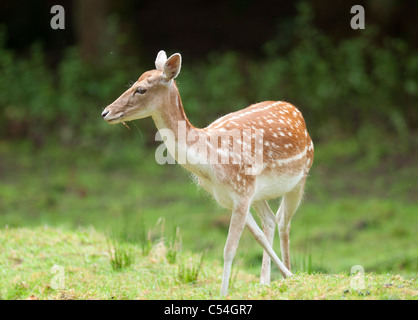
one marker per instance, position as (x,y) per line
(140,90)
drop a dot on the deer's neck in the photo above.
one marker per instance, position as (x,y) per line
(172,115)
(179,134)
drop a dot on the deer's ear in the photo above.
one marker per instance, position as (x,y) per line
(161,60)
(172,67)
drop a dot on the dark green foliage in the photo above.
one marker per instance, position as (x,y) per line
(362,87)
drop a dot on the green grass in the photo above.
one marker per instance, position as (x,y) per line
(121,254)
(353,213)
(27,273)
(188,272)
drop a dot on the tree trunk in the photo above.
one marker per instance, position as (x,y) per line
(91,16)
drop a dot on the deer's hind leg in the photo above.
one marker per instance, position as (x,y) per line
(262,240)
(287,209)
(268,222)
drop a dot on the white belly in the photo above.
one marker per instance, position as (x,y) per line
(221,193)
(266,187)
(274,186)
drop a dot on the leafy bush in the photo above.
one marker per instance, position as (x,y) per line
(341,86)
(62,104)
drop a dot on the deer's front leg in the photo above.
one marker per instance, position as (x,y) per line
(236,227)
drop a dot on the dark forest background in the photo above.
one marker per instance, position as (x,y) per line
(54,83)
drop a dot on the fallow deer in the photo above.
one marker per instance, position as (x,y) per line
(276,127)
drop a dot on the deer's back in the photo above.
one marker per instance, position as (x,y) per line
(287,149)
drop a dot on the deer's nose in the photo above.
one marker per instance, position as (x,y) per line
(105,113)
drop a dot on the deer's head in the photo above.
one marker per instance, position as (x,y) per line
(146,95)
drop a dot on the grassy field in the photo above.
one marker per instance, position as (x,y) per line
(28,272)
(63,206)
